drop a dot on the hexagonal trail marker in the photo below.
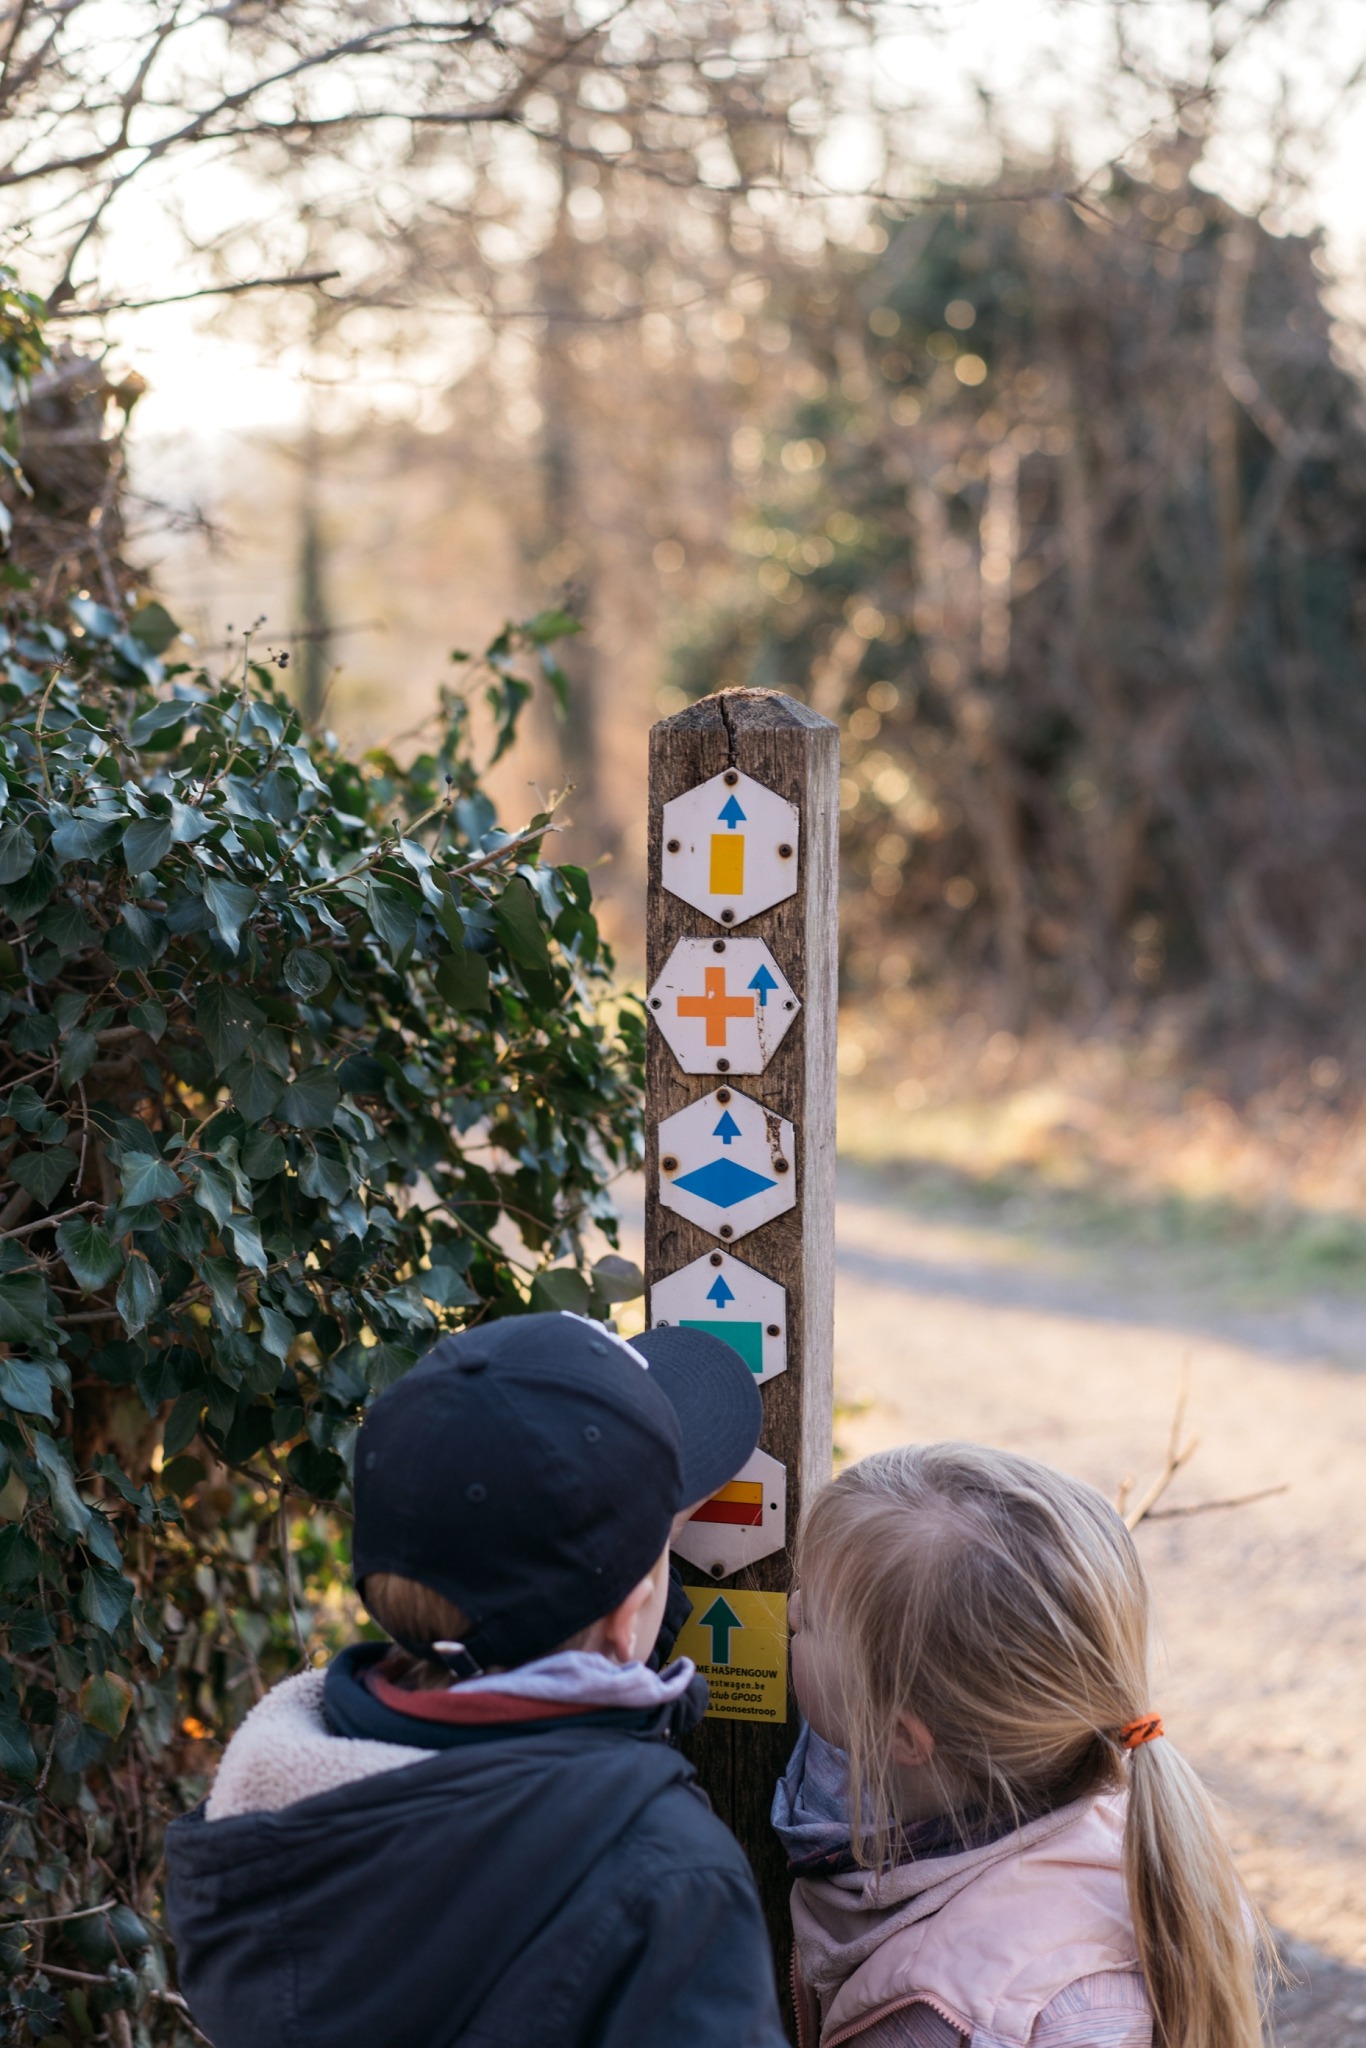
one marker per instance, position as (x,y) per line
(729,1300)
(745,1521)
(727,1164)
(724,1005)
(730,847)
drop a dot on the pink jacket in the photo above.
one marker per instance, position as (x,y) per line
(986,1938)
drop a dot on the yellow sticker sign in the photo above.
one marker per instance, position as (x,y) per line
(738,1641)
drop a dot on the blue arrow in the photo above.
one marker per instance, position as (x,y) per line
(732,815)
(763,981)
(720,1293)
(727,1128)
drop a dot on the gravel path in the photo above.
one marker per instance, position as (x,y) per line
(949,1330)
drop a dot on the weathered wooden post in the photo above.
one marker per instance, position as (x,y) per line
(740,1181)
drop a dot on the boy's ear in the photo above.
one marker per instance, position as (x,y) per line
(913,1744)
(619,1628)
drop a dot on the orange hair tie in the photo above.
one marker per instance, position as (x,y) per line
(1147,1728)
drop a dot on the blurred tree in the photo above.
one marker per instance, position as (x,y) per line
(1069,533)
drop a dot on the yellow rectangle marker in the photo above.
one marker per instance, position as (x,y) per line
(727,864)
(738,1641)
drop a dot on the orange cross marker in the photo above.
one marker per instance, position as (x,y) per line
(716,1006)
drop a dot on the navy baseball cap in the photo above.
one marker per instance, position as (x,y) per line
(529,1470)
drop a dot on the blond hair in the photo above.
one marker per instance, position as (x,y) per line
(1004,1606)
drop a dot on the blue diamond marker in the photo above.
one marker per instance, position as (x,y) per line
(724,1182)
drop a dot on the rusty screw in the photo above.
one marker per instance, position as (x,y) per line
(718,945)
(723,1095)
(727,1230)
(672,846)
(727,917)
(730,778)
(716,1258)
(774,1331)
(780,1166)
(784,852)
(669,1165)
(723,1066)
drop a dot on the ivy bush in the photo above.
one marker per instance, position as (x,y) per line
(305,1059)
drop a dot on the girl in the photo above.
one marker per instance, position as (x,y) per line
(993,1841)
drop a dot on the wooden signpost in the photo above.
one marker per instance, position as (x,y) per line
(743,838)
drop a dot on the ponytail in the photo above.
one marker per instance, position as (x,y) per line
(1196,1930)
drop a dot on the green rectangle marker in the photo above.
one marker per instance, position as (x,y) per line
(746,1338)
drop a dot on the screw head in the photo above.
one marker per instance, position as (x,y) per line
(715,1259)
(655,1003)
(723,1066)
(774,1331)
(723,1095)
(718,945)
(784,852)
(727,1230)
(727,916)
(669,1165)
(731,777)
(780,1166)
(672,846)
(789,1005)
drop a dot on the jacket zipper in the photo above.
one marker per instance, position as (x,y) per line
(861,2026)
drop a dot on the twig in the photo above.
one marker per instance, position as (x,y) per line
(27,1229)
(286,1566)
(209,291)
(486,860)
(1205,1507)
(1178,1454)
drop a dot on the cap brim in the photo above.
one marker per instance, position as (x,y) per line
(716,1400)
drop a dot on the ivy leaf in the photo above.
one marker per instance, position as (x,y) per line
(563,1289)
(232,903)
(307,973)
(182,1424)
(146,844)
(105,1700)
(310,1103)
(462,979)
(520,927)
(18,850)
(221,1275)
(91,1255)
(618,1279)
(255,1089)
(41,1174)
(153,626)
(277,1332)
(213,1190)
(17,1759)
(139,1294)
(24,1385)
(317,1472)
(264,1155)
(83,835)
(105,1598)
(67,1505)
(245,1232)
(147,1178)
(227,1017)
(78,1057)
(23,1308)
(149,1017)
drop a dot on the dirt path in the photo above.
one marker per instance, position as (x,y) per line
(945,1330)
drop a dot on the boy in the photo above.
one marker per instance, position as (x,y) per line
(485,1834)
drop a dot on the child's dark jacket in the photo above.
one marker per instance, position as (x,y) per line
(553,1883)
